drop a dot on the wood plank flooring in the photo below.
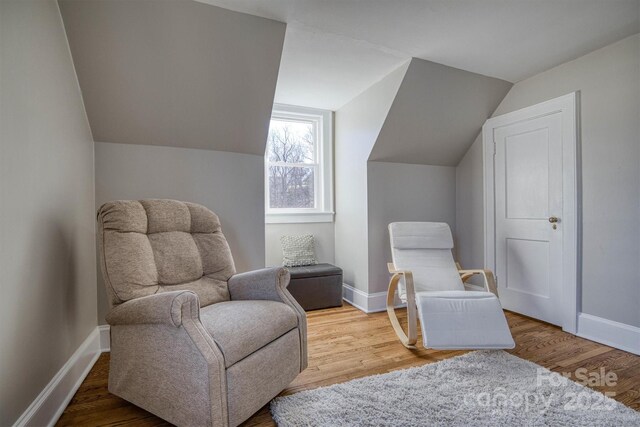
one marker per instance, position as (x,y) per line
(345,343)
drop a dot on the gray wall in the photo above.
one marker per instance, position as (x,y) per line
(357,126)
(436,114)
(609,84)
(469,210)
(230,184)
(404,192)
(48,305)
(174,72)
(323,233)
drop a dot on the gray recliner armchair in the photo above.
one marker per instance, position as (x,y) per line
(192,341)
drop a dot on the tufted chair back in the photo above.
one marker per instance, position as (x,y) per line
(152,246)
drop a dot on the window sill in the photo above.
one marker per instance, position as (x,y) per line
(300,217)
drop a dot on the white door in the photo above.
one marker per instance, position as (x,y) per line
(531,209)
(528,202)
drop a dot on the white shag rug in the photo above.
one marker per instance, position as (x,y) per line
(481,388)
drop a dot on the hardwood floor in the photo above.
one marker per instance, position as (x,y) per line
(345,343)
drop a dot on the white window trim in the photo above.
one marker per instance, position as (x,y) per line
(324,179)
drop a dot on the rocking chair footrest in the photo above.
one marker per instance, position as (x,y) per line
(462,320)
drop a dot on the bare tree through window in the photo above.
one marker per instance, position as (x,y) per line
(292,164)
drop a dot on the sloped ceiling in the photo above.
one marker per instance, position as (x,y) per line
(358,123)
(327,71)
(436,114)
(330,41)
(175,73)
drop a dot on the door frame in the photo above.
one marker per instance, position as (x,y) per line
(568,105)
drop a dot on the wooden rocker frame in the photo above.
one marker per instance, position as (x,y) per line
(410,338)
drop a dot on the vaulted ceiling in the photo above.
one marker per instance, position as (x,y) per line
(335,49)
(190,74)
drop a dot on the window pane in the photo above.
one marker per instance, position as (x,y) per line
(291,142)
(291,187)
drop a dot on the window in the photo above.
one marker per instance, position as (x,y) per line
(298,175)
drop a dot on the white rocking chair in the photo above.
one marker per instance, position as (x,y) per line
(431,283)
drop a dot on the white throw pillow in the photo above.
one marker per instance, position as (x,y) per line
(298,250)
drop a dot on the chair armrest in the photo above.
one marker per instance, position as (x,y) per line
(270,284)
(264,284)
(408,281)
(159,343)
(489,280)
(166,308)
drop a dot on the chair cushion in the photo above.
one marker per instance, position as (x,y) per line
(424,248)
(462,320)
(240,328)
(420,235)
(433,270)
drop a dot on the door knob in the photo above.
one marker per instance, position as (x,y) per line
(553,219)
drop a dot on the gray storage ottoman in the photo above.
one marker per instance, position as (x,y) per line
(316,286)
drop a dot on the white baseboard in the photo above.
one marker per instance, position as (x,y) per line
(54,398)
(369,303)
(608,332)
